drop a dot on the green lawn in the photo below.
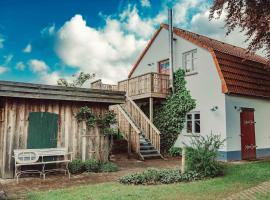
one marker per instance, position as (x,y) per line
(237,178)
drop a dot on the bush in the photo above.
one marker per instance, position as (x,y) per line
(175,151)
(201,157)
(170,116)
(109,167)
(156,176)
(91,165)
(75,166)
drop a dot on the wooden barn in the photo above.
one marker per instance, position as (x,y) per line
(43,116)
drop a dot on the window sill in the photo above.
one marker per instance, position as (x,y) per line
(191,73)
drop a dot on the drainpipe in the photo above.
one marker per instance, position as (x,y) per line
(170,16)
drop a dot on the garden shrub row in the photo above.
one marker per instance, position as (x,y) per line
(78,166)
(159,176)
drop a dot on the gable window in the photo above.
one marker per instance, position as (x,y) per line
(193,124)
(189,61)
(164,66)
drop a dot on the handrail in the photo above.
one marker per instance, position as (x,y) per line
(128,119)
(146,84)
(142,121)
(142,113)
(128,128)
(143,75)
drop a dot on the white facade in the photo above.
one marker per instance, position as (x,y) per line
(261,116)
(205,86)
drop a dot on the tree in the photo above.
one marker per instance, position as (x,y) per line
(170,117)
(252,16)
(80,80)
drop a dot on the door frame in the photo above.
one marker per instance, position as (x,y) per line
(253,132)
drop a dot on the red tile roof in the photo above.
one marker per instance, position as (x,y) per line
(241,73)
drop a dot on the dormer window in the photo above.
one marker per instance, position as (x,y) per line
(189,61)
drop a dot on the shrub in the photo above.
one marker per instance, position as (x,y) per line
(91,165)
(75,166)
(201,157)
(175,151)
(163,176)
(109,167)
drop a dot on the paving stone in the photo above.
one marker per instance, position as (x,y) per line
(251,193)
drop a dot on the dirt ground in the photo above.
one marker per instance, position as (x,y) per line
(16,190)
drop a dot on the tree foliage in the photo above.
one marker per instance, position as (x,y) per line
(252,16)
(79,81)
(170,117)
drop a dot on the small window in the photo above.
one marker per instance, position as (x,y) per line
(164,66)
(193,122)
(189,61)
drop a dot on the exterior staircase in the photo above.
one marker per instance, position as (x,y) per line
(142,135)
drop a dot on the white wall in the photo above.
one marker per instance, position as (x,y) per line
(159,50)
(205,85)
(262,119)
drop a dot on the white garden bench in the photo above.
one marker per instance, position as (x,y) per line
(40,157)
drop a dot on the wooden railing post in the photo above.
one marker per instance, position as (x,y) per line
(129,141)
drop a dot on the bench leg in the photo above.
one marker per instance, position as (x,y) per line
(43,172)
(67,170)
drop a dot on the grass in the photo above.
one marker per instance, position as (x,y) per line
(237,178)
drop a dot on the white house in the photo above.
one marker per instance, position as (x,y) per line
(231,88)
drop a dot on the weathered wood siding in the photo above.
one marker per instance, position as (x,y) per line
(14,114)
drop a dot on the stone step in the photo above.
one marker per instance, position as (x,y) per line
(149,147)
(151,151)
(149,156)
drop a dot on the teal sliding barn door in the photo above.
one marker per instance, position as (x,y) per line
(42,130)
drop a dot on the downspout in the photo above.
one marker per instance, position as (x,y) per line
(170,15)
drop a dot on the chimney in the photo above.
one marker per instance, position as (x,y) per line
(170,16)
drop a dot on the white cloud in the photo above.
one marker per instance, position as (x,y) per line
(3,69)
(27,49)
(8,58)
(49,78)
(20,66)
(49,30)
(133,23)
(145,3)
(2,40)
(215,29)
(107,52)
(38,66)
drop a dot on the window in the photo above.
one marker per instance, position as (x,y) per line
(164,66)
(189,60)
(193,122)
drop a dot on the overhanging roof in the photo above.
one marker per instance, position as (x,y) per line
(38,91)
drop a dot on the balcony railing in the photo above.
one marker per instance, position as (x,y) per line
(146,85)
(99,85)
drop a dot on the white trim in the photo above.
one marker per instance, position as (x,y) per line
(193,113)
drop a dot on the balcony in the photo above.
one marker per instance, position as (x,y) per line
(147,85)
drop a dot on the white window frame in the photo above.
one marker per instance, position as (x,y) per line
(193,122)
(193,54)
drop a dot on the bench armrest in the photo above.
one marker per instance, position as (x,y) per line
(70,155)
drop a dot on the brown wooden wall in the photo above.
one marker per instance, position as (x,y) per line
(14,114)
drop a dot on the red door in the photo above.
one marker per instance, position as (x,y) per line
(248,144)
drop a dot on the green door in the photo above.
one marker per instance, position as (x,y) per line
(42,130)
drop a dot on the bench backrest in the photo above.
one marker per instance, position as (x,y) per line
(32,155)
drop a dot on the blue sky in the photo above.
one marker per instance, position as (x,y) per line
(41,41)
